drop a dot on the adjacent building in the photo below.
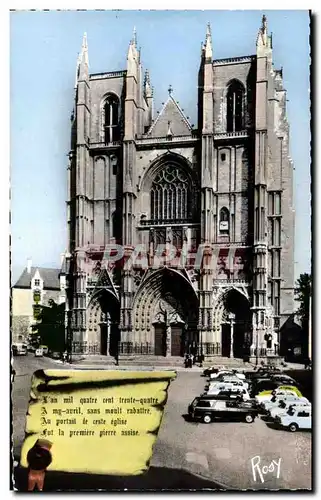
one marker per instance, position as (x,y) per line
(35,287)
(224,186)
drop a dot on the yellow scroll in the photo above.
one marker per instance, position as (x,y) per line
(98,421)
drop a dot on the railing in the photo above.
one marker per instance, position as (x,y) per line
(158,222)
(231,280)
(241,134)
(229,60)
(265,352)
(112,74)
(103,144)
(232,243)
(85,348)
(175,138)
(209,348)
(135,348)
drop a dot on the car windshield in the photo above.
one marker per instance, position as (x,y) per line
(194,403)
(282,404)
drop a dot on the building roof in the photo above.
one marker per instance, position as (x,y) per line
(50,277)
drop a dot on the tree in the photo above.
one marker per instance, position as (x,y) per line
(302,294)
(51,326)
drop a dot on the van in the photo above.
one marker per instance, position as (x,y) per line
(19,349)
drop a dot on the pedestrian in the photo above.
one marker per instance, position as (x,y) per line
(191,360)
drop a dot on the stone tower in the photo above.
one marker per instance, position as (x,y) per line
(181,238)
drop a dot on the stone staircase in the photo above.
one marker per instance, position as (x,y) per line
(154,361)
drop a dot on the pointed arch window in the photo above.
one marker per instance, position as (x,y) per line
(111,119)
(224,221)
(235,107)
(171,195)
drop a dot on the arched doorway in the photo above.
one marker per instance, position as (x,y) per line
(103,323)
(166,313)
(236,324)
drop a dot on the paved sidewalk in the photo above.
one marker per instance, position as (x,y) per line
(100,362)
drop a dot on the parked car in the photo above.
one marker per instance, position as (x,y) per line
(227,372)
(284,406)
(207,410)
(230,388)
(235,381)
(211,369)
(261,385)
(285,379)
(282,390)
(45,349)
(262,373)
(55,355)
(39,353)
(277,399)
(295,418)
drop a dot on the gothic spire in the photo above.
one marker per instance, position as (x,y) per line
(208,43)
(264,41)
(148,91)
(83,59)
(134,39)
(264,24)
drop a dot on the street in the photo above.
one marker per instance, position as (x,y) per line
(219,452)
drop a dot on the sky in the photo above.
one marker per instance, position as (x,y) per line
(43,51)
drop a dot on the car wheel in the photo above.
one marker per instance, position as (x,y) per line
(249,418)
(293,427)
(207,419)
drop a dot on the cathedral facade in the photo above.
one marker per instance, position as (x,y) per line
(201,219)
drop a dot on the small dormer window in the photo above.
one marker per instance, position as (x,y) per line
(37,282)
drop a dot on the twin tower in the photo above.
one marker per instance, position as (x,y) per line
(140,180)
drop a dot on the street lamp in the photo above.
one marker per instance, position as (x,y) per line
(231,317)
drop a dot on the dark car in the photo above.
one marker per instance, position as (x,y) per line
(262,373)
(225,396)
(260,385)
(208,409)
(285,379)
(207,372)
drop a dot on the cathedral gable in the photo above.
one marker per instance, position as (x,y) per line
(170,121)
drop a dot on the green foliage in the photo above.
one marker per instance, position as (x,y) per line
(51,327)
(302,294)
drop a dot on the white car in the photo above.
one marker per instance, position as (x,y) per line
(228,380)
(227,372)
(295,418)
(260,398)
(39,353)
(215,390)
(284,406)
(275,400)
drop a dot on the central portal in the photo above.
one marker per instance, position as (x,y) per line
(176,340)
(226,340)
(160,340)
(235,325)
